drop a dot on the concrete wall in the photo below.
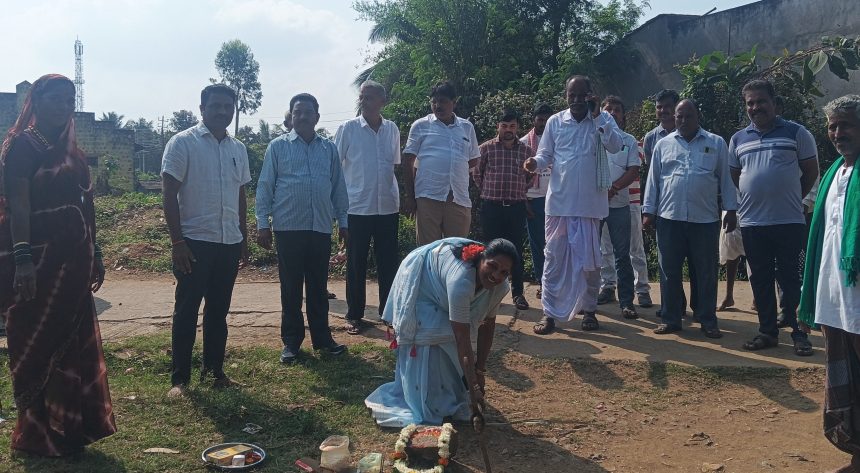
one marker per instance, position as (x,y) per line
(643,63)
(102,143)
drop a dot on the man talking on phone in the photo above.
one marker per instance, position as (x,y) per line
(575,143)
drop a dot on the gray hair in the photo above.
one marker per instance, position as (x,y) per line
(845,104)
(375,85)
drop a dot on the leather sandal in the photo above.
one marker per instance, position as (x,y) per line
(629,313)
(545,326)
(760,342)
(520,302)
(589,322)
(665,329)
(712,332)
(354,327)
(802,347)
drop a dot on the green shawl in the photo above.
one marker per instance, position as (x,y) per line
(850,252)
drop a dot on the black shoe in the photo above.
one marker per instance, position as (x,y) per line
(606,296)
(334,349)
(288,356)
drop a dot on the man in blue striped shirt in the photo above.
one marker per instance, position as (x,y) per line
(302,189)
(774,163)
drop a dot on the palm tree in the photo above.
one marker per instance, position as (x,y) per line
(112,117)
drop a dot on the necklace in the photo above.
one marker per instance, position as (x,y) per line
(39,136)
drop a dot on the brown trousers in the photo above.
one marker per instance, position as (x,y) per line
(435,220)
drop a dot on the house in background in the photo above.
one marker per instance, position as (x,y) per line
(644,61)
(110,151)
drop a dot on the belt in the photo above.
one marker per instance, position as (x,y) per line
(505,203)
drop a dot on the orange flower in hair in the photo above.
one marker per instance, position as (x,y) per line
(471,251)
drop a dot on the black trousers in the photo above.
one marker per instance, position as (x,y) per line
(698,243)
(382,229)
(773,252)
(508,221)
(303,259)
(212,277)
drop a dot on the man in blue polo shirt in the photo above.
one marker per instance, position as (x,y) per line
(774,163)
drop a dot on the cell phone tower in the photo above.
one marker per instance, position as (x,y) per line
(79,75)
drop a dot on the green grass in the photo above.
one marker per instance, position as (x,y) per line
(297,406)
(131,231)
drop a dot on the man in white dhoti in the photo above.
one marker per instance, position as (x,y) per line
(575,142)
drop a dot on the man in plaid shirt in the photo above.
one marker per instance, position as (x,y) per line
(503,182)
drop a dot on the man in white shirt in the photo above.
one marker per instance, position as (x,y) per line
(445,147)
(616,228)
(204,172)
(369,149)
(831,294)
(577,200)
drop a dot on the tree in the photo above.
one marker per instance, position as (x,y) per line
(485,46)
(237,67)
(265,132)
(114,118)
(715,82)
(182,120)
(140,124)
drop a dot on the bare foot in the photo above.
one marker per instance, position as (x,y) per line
(727,302)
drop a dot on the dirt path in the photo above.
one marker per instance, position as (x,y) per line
(615,400)
(133,306)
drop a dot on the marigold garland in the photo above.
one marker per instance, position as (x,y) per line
(471,251)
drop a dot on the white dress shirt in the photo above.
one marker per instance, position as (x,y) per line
(619,163)
(211,173)
(570,147)
(368,158)
(539,185)
(443,152)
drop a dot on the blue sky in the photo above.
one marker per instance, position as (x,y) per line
(148,58)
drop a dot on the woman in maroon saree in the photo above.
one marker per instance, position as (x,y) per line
(49,268)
